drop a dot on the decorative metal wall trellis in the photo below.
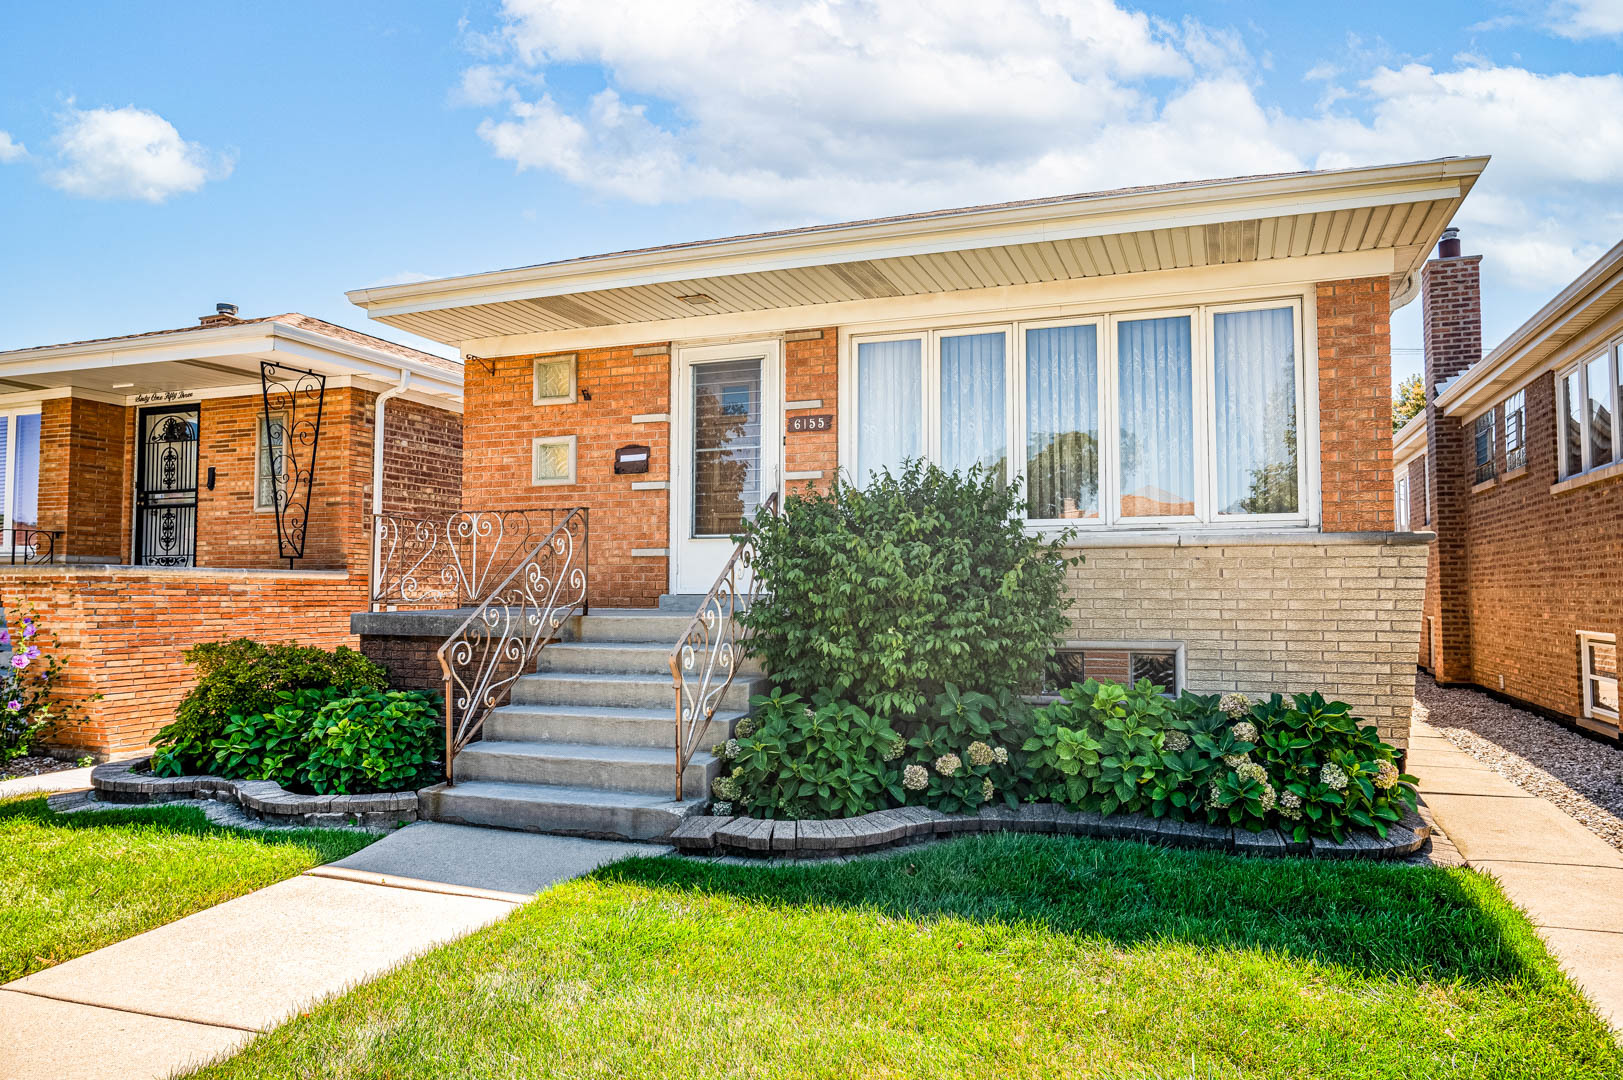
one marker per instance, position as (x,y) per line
(166,487)
(292,438)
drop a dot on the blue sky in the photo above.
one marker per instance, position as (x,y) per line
(277,155)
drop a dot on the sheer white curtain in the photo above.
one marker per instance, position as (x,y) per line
(1254,379)
(1062,422)
(972,377)
(890,404)
(1155,377)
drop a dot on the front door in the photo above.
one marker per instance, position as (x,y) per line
(727,452)
(166,487)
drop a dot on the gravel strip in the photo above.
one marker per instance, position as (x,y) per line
(1582,777)
(34,766)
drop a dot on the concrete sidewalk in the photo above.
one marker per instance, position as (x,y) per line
(1567,879)
(46,783)
(203,986)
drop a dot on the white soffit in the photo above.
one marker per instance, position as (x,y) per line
(1400,208)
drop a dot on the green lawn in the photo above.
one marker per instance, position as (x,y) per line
(71,883)
(1001,955)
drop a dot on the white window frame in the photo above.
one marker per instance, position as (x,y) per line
(1592,710)
(1581,368)
(1400,517)
(1203,422)
(260,456)
(572,359)
(536,479)
(1520,398)
(10,414)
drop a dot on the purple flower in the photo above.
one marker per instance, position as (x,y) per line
(5,636)
(19,662)
(33,652)
(14,705)
(29,629)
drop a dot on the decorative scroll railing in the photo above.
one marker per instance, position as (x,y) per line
(498,643)
(451,561)
(293,400)
(30,547)
(707,656)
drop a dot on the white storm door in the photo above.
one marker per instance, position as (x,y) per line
(727,454)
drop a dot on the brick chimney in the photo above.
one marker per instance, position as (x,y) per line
(1451,310)
(224,315)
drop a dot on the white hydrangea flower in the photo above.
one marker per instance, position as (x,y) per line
(914,778)
(897,748)
(1234,761)
(1386,776)
(724,787)
(1234,705)
(1001,755)
(1268,797)
(1245,731)
(979,753)
(721,808)
(1290,804)
(745,727)
(987,791)
(948,764)
(729,749)
(1176,741)
(1250,770)
(1333,777)
(1214,795)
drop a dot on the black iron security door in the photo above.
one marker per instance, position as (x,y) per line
(166,487)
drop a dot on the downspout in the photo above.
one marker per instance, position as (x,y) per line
(377,484)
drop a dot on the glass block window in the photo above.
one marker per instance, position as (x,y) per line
(553,461)
(555,380)
(1161,668)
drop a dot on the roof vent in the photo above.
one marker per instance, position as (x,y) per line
(1449,246)
(224,315)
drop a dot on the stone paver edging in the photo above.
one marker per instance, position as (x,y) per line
(128,782)
(883,828)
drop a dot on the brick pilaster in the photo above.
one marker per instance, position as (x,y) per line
(1451,299)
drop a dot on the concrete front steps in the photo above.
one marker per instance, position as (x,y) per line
(586,744)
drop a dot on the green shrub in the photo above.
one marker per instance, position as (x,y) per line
(824,760)
(883,596)
(246,678)
(960,750)
(375,742)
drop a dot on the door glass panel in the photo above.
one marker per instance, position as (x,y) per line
(1062,422)
(1600,411)
(972,402)
(726,445)
(25,508)
(1572,426)
(890,404)
(1255,372)
(1155,362)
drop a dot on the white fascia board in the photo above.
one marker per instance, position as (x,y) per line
(354,359)
(1187,285)
(1409,439)
(1130,212)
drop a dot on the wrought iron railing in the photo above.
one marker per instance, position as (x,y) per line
(454,560)
(707,656)
(498,643)
(31,547)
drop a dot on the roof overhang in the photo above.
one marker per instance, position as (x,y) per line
(208,359)
(1583,316)
(1398,210)
(1410,439)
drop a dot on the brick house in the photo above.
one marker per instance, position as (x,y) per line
(148,504)
(1516,466)
(1196,376)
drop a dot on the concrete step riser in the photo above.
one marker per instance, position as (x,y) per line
(652,694)
(568,656)
(520,724)
(654,628)
(607,822)
(650,778)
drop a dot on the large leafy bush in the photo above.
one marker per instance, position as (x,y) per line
(882,596)
(797,760)
(247,678)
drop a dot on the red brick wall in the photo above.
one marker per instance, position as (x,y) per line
(811,373)
(422,459)
(82,484)
(1355,405)
(1419,505)
(1451,318)
(1541,568)
(123,629)
(500,420)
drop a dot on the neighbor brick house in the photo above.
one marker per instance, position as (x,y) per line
(140,485)
(1193,376)
(1517,466)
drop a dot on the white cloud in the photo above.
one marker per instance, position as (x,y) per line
(11,150)
(1578,19)
(808,110)
(129,153)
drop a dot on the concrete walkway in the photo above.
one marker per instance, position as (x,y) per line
(203,986)
(1567,879)
(46,783)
